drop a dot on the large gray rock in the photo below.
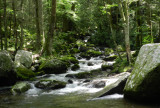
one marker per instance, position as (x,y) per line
(116,85)
(143,83)
(20,87)
(7,76)
(23,58)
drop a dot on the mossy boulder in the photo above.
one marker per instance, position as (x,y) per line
(24,58)
(69,59)
(75,50)
(75,67)
(50,84)
(94,53)
(54,66)
(143,83)
(110,58)
(85,55)
(106,66)
(20,87)
(24,74)
(83,75)
(108,51)
(7,75)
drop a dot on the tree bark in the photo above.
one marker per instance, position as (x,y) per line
(1,37)
(38,37)
(49,38)
(5,24)
(125,17)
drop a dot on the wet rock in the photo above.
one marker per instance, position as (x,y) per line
(99,84)
(83,75)
(20,87)
(69,59)
(54,66)
(83,48)
(106,66)
(50,84)
(85,55)
(110,58)
(143,83)
(24,58)
(90,64)
(70,81)
(108,51)
(87,80)
(75,67)
(115,87)
(7,75)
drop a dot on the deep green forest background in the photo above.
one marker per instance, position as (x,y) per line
(50,27)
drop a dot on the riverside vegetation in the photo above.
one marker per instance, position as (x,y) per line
(100,49)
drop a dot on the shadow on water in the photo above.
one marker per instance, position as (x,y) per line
(72,100)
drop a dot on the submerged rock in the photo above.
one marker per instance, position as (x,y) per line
(90,64)
(54,66)
(50,84)
(7,75)
(143,83)
(115,87)
(20,87)
(24,58)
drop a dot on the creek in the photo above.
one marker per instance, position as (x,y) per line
(75,95)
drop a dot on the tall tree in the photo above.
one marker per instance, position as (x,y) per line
(1,37)
(125,16)
(5,23)
(49,38)
(38,37)
(14,24)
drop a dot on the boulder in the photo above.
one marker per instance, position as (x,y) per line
(75,67)
(106,66)
(20,87)
(143,83)
(110,58)
(7,75)
(23,73)
(69,59)
(116,86)
(54,66)
(24,58)
(50,84)
(83,75)
(90,64)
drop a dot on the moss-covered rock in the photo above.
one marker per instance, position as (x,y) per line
(106,66)
(54,66)
(20,87)
(85,55)
(83,75)
(108,51)
(143,83)
(75,67)
(24,58)
(110,58)
(24,74)
(69,59)
(50,84)
(94,53)
(75,50)
(7,75)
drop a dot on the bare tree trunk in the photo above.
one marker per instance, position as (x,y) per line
(49,38)
(5,24)
(125,17)
(1,37)
(15,24)
(38,38)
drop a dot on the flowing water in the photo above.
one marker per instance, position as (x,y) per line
(76,95)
